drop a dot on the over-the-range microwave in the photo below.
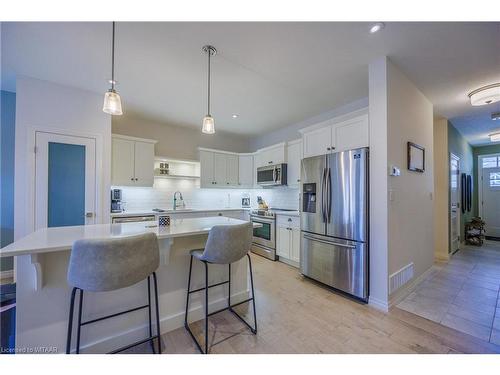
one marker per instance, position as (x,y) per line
(271,175)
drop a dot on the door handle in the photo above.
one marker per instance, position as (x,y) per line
(89,214)
(329,243)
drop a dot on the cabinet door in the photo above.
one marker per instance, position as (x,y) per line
(245,171)
(351,134)
(317,142)
(206,169)
(122,162)
(295,245)
(232,170)
(283,242)
(294,155)
(220,169)
(144,163)
(276,155)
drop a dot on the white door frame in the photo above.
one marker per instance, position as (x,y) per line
(30,172)
(480,180)
(459,210)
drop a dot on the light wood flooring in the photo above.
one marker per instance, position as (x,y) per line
(296,315)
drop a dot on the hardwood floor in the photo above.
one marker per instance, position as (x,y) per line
(296,315)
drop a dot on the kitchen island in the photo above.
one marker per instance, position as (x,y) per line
(43,293)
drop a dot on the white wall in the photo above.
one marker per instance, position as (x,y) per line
(175,141)
(291,132)
(49,106)
(402,228)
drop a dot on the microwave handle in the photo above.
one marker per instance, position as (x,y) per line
(274,174)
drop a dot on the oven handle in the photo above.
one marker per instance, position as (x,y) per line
(260,220)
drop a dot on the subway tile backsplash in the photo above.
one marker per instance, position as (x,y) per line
(162,193)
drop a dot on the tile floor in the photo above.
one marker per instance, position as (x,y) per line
(463,294)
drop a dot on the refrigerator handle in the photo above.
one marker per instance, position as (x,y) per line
(329,242)
(329,195)
(323,188)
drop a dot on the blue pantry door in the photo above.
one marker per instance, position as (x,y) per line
(65,192)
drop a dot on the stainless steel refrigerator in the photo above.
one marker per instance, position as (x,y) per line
(334,220)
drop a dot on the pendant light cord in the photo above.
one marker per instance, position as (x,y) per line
(113,58)
(209,53)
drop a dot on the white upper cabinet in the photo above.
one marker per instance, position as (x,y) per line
(294,156)
(245,171)
(207,178)
(317,142)
(334,136)
(218,169)
(271,155)
(132,161)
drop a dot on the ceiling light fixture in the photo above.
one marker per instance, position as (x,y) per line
(495,116)
(208,121)
(485,95)
(234,116)
(377,27)
(495,137)
(112,100)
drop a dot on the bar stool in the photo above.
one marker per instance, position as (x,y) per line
(226,244)
(102,265)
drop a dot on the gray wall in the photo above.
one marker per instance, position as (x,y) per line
(8,124)
(174,141)
(291,132)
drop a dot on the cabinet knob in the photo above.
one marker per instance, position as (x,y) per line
(132,179)
(333,148)
(289,219)
(328,148)
(137,179)
(227,183)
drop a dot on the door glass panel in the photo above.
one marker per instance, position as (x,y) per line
(490,162)
(263,232)
(495,179)
(66,185)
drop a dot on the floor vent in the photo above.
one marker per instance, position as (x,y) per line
(401,277)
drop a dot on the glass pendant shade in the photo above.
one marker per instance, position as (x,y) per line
(485,95)
(208,125)
(112,103)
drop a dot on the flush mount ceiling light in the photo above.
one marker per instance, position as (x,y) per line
(234,116)
(495,116)
(485,95)
(377,27)
(495,137)
(208,126)
(112,100)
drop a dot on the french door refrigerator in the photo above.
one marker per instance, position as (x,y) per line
(334,220)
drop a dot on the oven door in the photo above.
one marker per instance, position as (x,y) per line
(264,235)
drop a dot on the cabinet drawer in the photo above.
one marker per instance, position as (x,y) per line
(288,221)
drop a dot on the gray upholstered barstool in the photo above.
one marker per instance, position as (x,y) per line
(226,244)
(102,265)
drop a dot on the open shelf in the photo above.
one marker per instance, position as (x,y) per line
(178,176)
(178,169)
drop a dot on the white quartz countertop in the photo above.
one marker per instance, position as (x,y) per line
(171,211)
(62,238)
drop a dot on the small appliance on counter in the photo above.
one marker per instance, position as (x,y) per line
(116,201)
(262,203)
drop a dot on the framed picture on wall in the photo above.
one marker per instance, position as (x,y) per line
(416,157)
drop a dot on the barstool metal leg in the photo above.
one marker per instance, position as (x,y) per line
(157,313)
(70,321)
(253,294)
(80,307)
(149,314)
(229,288)
(206,307)
(188,293)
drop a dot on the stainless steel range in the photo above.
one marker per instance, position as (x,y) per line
(264,238)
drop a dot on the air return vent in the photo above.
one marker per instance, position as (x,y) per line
(401,277)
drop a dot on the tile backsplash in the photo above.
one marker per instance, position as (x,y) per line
(162,193)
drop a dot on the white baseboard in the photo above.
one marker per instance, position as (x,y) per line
(167,324)
(378,304)
(289,262)
(6,274)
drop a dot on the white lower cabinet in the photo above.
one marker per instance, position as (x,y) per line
(288,239)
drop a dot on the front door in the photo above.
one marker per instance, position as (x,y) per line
(454,203)
(491,201)
(65,180)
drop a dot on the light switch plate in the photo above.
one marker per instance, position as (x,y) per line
(394,171)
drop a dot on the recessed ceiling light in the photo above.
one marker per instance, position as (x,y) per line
(485,95)
(495,116)
(495,137)
(234,116)
(377,27)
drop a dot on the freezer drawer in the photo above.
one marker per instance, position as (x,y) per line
(338,263)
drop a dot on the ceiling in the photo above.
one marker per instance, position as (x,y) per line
(270,74)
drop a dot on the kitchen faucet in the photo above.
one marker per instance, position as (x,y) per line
(180,198)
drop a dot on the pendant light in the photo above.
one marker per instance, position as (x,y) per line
(208,121)
(112,100)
